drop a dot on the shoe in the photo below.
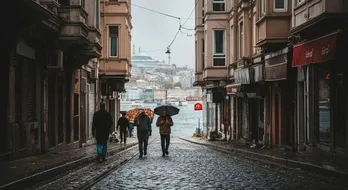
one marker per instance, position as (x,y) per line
(163,155)
(140,156)
(145,153)
(167,152)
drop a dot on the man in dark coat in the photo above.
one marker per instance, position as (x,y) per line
(101,127)
(143,123)
(122,125)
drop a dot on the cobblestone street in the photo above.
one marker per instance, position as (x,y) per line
(191,166)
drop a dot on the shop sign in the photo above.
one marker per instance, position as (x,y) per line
(233,89)
(198,107)
(315,51)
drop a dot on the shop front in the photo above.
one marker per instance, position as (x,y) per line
(279,101)
(216,109)
(246,106)
(322,92)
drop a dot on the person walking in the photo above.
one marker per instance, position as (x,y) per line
(101,127)
(143,123)
(122,126)
(165,122)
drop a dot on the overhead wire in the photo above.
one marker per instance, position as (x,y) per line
(175,17)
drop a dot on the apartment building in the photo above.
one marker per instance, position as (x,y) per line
(319,38)
(49,45)
(272,71)
(115,62)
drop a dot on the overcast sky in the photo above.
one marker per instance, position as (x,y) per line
(152,31)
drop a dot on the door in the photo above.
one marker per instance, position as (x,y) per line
(245,119)
(91,107)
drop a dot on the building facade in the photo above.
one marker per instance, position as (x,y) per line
(50,43)
(318,56)
(272,74)
(115,63)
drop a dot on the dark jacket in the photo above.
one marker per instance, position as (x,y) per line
(102,123)
(123,124)
(143,123)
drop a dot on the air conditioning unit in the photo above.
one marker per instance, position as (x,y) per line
(55,61)
(94,74)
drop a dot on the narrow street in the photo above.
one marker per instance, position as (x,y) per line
(191,166)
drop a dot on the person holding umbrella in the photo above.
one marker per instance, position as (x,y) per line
(143,123)
(165,122)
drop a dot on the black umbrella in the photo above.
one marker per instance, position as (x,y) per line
(171,110)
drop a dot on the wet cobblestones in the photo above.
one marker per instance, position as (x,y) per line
(77,178)
(191,166)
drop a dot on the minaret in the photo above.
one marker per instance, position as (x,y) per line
(139,50)
(133,49)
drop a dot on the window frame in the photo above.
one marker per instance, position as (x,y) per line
(262,8)
(285,9)
(117,41)
(219,2)
(219,55)
(241,39)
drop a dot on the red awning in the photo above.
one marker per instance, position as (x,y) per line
(315,51)
(233,88)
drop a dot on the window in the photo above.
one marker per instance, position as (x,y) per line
(218,5)
(262,8)
(113,38)
(97,19)
(232,4)
(280,5)
(219,48)
(241,40)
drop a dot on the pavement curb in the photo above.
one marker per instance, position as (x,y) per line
(54,171)
(272,159)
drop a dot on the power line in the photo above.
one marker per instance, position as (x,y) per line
(194,8)
(158,12)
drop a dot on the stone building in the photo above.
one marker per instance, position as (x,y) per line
(48,55)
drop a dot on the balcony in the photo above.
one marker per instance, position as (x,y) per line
(74,29)
(94,48)
(115,68)
(199,80)
(273,29)
(215,73)
(311,15)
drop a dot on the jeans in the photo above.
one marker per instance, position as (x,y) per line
(143,138)
(123,136)
(103,152)
(165,141)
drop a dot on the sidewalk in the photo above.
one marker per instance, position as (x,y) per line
(42,167)
(319,161)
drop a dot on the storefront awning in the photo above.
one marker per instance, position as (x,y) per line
(232,89)
(315,51)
